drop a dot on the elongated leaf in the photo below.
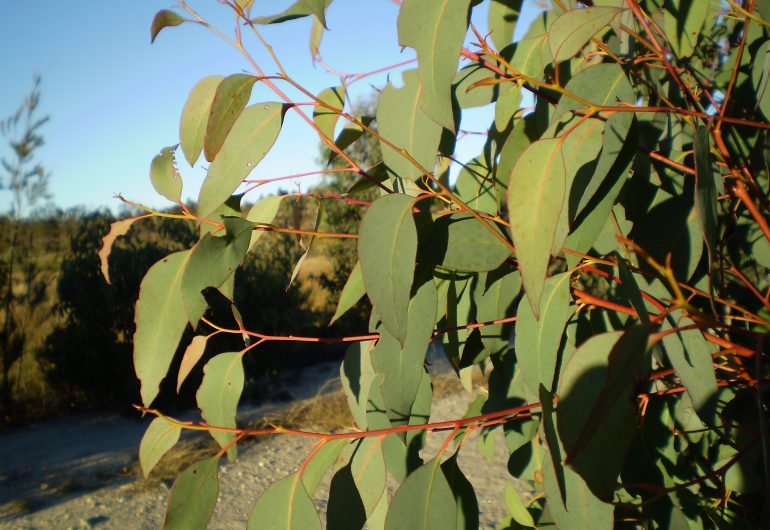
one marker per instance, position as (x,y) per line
(476,186)
(516,507)
(631,289)
(537,341)
(160,322)
(164,19)
(193,496)
(468,89)
(583,509)
(387,249)
(706,204)
(535,198)
(252,136)
(682,23)
(212,261)
(317,467)
(460,241)
(368,469)
(161,435)
(352,292)
(263,212)
(219,394)
(191,356)
(230,98)
(285,505)
(351,131)
(326,119)
(502,19)
(573,29)
(423,502)
(436,30)
(582,379)
(494,296)
(532,52)
(357,376)
(195,117)
(164,176)
(402,121)
(299,9)
(465,496)
(117,229)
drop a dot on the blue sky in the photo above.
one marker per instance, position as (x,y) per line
(115,100)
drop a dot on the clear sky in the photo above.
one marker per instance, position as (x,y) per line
(114,100)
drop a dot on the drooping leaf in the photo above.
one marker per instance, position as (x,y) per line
(160,437)
(502,19)
(193,496)
(345,509)
(377,173)
(117,229)
(351,131)
(316,35)
(317,466)
(465,496)
(476,186)
(423,502)
(516,507)
(387,249)
(191,356)
(285,505)
(631,289)
(532,52)
(164,176)
(230,98)
(351,293)
(326,119)
(368,469)
(160,322)
(263,212)
(251,137)
(494,297)
(583,509)
(402,121)
(573,29)
(535,197)
(436,30)
(219,394)
(195,117)
(212,261)
(706,204)
(460,241)
(164,19)
(682,23)
(299,9)
(537,341)
(357,376)
(471,89)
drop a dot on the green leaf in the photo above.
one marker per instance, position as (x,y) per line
(192,355)
(423,502)
(212,261)
(117,229)
(583,509)
(195,117)
(326,119)
(494,297)
(164,176)
(352,292)
(465,496)
(378,172)
(322,460)
(476,186)
(631,289)
(387,249)
(316,35)
(299,9)
(368,469)
(580,392)
(436,30)
(318,8)
(516,507)
(402,121)
(231,96)
(502,19)
(193,496)
(573,29)
(691,356)
(219,394)
(164,19)
(263,213)
(537,341)
(252,136)
(706,205)
(532,52)
(350,132)
(682,23)
(357,376)
(161,435)
(460,241)
(160,322)
(285,505)
(535,198)
(469,96)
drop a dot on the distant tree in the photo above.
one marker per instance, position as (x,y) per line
(26,179)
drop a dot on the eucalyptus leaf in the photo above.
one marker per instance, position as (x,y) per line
(193,496)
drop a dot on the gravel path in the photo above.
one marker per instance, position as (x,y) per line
(92,449)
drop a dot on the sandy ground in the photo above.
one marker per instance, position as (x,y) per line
(80,472)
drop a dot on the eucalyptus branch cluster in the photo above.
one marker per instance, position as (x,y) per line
(603,261)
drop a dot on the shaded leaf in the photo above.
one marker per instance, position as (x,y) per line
(494,297)
(387,249)
(195,117)
(230,98)
(252,136)
(191,356)
(465,496)
(326,119)
(299,9)
(706,204)
(502,19)
(357,376)
(423,502)
(193,496)
(460,241)
(285,505)
(583,509)
(219,394)
(535,197)
(351,293)
(682,23)
(317,466)
(436,30)
(164,19)
(476,186)
(160,322)
(367,467)
(263,213)
(160,436)
(117,229)
(573,29)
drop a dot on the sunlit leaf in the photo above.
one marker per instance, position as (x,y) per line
(682,23)
(299,9)
(193,496)
(423,502)
(516,507)
(465,496)
(195,117)
(164,176)
(326,119)
(573,29)
(219,394)
(190,358)
(368,469)
(351,293)
(476,186)
(263,212)
(158,439)
(164,19)
(230,97)
(285,505)
(117,229)
(317,466)
(494,297)
(502,19)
